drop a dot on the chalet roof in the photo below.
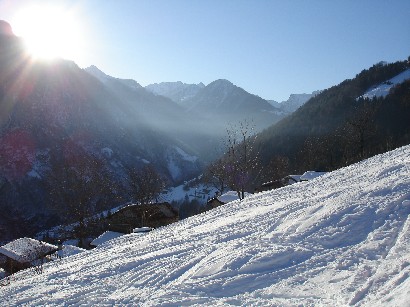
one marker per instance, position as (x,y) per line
(227,197)
(106,236)
(309,175)
(142,229)
(272,183)
(27,249)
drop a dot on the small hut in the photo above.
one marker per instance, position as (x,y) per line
(22,253)
(309,175)
(224,198)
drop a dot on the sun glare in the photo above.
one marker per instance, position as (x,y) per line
(49,32)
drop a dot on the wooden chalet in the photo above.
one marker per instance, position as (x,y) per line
(22,253)
(143,215)
(223,199)
(214,202)
(309,175)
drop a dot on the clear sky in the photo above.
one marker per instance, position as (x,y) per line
(269,48)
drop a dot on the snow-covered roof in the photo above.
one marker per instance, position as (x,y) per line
(142,229)
(106,236)
(309,175)
(230,196)
(26,249)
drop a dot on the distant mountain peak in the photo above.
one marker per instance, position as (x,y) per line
(220,82)
(94,68)
(99,74)
(294,102)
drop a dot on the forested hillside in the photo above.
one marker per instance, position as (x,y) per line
(338,127)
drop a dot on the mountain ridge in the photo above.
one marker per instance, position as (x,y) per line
(294,102)
(177,91)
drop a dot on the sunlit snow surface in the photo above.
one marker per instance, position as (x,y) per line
(340,239)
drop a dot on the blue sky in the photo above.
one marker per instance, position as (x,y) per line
(269,48)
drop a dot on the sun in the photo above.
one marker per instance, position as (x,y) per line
(49,32)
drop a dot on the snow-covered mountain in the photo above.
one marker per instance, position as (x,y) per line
(294,102)
(222,95)
(341,239)
(176,91)
(223,102)
(180,92)
(383,89)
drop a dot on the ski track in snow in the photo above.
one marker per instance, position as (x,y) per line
(341,239)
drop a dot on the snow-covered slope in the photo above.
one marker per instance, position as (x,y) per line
(381,90)
(340,239)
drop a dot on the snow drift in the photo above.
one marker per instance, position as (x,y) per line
(340,239)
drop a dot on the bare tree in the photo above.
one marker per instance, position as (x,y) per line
(76,184)
(241,158)
(146,184)
(216,174)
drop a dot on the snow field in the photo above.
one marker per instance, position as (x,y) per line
(341,239)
